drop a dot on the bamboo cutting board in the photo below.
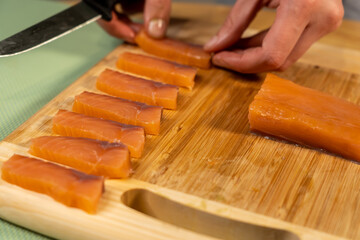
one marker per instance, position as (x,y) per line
(205,150)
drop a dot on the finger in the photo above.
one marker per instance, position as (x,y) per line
(240,61)
(156,17)
(277,44)
(251,42)
(128,7)
(136,27)
(310,35)
(235,24)
(118,27)
(320,25)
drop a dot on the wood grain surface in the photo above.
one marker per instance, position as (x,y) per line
(205,147)
(116,217)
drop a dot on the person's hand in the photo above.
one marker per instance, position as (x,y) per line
(156,19)
(298,24)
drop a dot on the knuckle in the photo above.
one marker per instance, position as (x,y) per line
(284,67)
(274,60)
(334,18)
(330,18)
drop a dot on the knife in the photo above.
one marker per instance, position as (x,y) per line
(57,26)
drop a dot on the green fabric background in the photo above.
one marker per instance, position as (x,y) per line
(29,80)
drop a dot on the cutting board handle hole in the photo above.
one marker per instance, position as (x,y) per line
(181,215)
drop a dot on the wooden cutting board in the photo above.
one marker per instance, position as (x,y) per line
(205,150)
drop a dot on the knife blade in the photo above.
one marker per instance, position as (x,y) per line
(53,28)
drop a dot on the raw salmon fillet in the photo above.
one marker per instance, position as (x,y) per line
(174,50)
(87,155)
(137,89)
(305,116)
(119,110)
(157,69)
(66,123)
(65,185)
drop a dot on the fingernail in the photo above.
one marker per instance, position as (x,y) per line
(210,43)
(157,28)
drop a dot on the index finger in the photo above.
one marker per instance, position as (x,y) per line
(120,26)
(235,24)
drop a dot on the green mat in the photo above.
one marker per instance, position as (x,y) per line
(29,80)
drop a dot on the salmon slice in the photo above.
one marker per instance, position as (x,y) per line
(137,89)
(157,69)
(119,110)
(174,50)
(87,155)
(65,185)
(305,116)
(66,123)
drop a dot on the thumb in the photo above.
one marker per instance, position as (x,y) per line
(156,16)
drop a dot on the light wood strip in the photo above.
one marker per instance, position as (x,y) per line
(114,220)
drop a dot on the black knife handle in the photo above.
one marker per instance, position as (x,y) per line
(104,7)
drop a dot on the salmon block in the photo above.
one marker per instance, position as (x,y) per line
(305,116)
(157,69)
(65,185)
(119,110)
(87,155)
(174,50)
(137,89)
(66,123)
